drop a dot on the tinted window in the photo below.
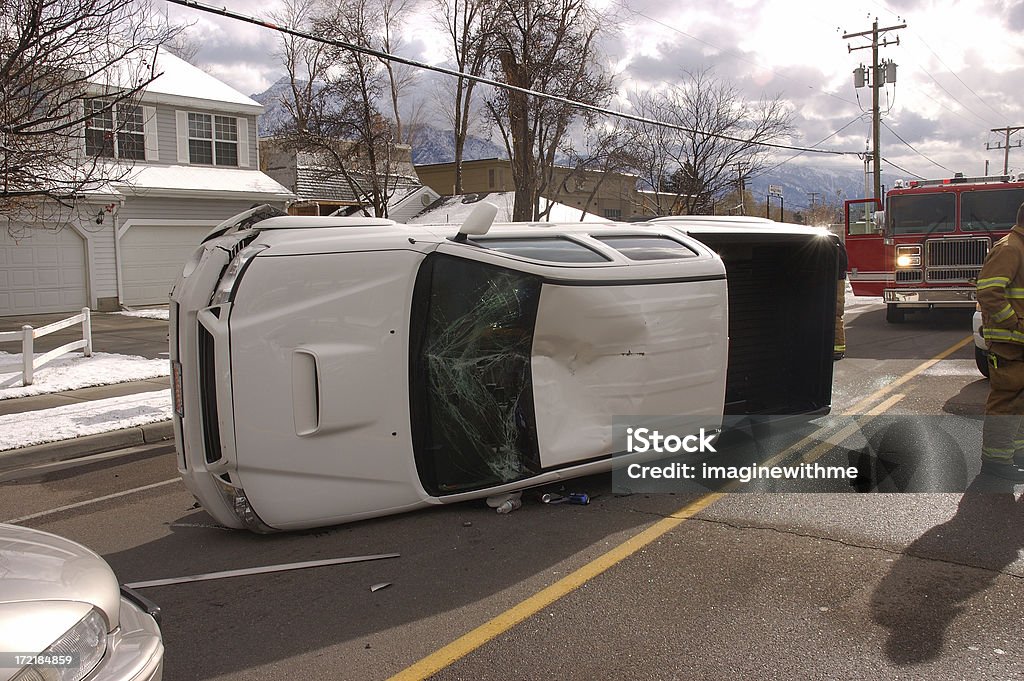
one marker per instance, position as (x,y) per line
(648,247)
(922,213)
(551,249)
(471,391)
(990,211)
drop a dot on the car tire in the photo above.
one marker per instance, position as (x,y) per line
(981,359)
(894,315)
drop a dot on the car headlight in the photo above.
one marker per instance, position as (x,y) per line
(74,655)
(226,288)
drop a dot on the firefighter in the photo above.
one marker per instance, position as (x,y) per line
(839,348)
(1001,298)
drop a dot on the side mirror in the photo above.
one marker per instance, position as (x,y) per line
(479,221)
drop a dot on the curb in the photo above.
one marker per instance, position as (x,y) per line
(86,445)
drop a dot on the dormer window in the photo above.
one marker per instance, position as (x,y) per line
(125,140)
(212,139)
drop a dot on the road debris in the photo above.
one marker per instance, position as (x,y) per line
(259,570)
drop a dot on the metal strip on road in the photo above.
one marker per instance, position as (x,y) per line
(87,502)
(456,650)
(284,567)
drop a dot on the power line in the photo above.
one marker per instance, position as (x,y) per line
(824,139)
(911,147)
(902,169)
(379,54)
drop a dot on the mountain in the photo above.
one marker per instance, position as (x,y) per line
(434,145)
(831,184)
(275,116)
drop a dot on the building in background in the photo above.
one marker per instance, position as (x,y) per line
(608,195)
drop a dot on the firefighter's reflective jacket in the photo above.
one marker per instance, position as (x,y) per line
(1001,296)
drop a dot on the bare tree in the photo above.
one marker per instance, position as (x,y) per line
(548,46)
(335,97)
(400,76)
(467,24)
(726,129)
(70,76)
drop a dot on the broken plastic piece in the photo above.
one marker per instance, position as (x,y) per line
(510,505)
(378,587)
(499,499)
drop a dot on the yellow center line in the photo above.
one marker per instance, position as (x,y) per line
(467,643)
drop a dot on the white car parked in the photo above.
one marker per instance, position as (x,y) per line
(328,369)
(63,617)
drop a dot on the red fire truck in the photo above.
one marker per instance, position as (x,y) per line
(926,249)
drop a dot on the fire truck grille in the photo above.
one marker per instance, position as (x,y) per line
(908,276)
(955,260)
(963,274)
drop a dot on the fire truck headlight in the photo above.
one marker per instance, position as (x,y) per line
(908,256)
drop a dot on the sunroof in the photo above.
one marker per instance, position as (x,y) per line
(648,247)
(546,249)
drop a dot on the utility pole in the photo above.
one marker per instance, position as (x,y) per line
(878,79)
(1006,154)
(741,184)
(814,196)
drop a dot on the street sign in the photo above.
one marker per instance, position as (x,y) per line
(775,189)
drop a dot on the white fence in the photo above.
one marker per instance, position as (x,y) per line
(27,336)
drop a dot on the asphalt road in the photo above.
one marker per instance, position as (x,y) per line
(761,585)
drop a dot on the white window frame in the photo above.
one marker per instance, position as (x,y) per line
(185,137)
(146,132)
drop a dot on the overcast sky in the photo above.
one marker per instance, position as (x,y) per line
(959,67)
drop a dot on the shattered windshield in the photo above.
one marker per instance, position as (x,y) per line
(990,211)
(922,213)
(471,391)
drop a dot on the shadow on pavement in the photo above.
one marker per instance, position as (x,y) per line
(930,584)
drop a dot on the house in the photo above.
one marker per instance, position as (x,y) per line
(609,195)
(188,158)
(322,190)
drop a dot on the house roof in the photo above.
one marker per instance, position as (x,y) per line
(202,182)
(180,83)
(321,184)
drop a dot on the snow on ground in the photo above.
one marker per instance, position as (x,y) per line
(453,211)
(88,418)
(75,371)
(147,314)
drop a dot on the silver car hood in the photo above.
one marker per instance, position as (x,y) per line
(37,566)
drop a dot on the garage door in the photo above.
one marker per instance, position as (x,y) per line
(42,272)
(152,257)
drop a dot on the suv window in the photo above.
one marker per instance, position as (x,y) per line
(548,249)
(648,247)
(470,385)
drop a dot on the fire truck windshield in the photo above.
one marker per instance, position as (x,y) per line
(922,213)
(990,210)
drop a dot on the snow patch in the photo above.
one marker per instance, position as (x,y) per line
(75,372)
(147,314)
(89,418)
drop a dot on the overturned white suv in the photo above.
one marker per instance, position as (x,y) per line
(329,369)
